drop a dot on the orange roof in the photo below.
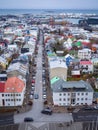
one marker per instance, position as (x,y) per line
(14,85)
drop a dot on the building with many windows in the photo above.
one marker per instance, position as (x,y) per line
(71,93)
(12,92)
(84,53)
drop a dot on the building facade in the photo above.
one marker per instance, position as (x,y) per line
(72,93)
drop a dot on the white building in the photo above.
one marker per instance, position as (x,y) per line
(12,92)
(86,66)
(71,93)
(84,53)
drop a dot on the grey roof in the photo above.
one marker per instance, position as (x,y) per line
(76,86)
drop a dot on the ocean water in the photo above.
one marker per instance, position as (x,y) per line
(45,11)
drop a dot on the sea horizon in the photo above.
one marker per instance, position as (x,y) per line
(4,11)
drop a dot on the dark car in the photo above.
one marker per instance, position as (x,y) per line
(47,111)
(36,96)
(28,119)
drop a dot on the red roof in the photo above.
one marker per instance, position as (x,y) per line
(85,62)
(14,84)
(2,86)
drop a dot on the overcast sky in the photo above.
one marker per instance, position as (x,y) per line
(49,4)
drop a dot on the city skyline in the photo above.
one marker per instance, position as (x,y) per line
(49,4)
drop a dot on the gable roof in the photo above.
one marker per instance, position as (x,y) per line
(2,85)
(75,86)
(14,85)
(85,62)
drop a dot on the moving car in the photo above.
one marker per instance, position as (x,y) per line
(28,119)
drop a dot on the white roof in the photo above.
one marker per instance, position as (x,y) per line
(54,63)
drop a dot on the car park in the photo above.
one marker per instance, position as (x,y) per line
(28,119)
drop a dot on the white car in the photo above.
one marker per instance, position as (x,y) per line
(44,96)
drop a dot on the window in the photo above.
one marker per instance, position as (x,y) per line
(85,98)
(77,99)
(86,93)
(60,94)
(8,94)
(6,99)
(68,99)
(64,99)
(78,93)
(82,99)
(60,99)
(73,94)
(64,94)
(2,95)
(16,94)
(11,99)
(68,94)
(82,93)
(19,99)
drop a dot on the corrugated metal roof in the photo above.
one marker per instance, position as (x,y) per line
(53,80)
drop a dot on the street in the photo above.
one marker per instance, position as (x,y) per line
(35,112)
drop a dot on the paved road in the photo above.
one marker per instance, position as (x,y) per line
(85,116)
(35,112)
(10,127)
(6,119)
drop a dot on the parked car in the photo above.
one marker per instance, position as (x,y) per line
(44,96)
(33,81)
(28,119)
(30,102)
(36,96)
(31,96)
(47,111)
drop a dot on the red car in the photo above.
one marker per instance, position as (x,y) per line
(33,81)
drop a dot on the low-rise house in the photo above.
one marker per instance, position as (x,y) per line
(84,53)
(68,59)
(12,92)
(58,68)
(14,48)
(17,69)
(3,77)
(3,63)
(86,66)
(71,93)
(95,65)
(76,73)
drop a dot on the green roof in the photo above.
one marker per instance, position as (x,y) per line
(53,80)
(78,43)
